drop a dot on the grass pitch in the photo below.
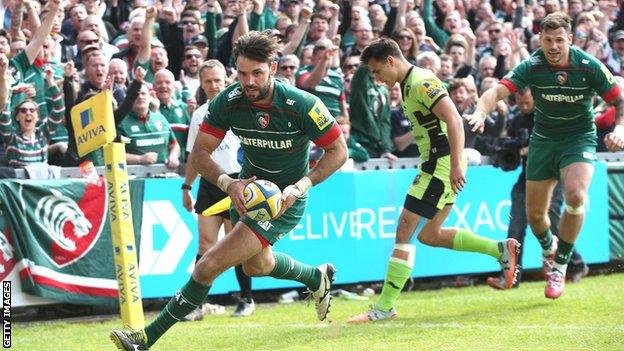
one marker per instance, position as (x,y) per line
(590,316)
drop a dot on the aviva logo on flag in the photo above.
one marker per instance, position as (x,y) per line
(86,117)
(94,122)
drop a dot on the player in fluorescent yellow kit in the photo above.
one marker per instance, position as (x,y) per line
(439,135)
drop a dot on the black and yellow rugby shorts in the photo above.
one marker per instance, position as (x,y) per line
(431,189)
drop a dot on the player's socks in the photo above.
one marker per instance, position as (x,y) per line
(186,300)
(564,253)
(287,268)
(244,281)
(545,240)
(399,271)
(560,267)
(465,240)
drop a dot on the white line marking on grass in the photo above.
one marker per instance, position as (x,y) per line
(423,326)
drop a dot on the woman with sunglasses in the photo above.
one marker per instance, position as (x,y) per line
(408,44)
(26,139)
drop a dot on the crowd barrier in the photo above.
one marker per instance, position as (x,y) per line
(350,221)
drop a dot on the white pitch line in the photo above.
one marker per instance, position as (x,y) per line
(421,325)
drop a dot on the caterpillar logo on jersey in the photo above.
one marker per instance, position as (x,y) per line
(320,115)
(263,119)
(562,98)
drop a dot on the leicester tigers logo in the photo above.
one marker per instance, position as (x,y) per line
(561,77)
(71,227)
(263,119)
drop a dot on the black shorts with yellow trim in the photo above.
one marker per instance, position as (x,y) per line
(431,189)
(209,194)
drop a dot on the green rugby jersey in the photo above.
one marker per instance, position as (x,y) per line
(422,90)
(563,95)
(275,138)
(330,89)
(147,66)
(179,119)
(148,134)
(18,66)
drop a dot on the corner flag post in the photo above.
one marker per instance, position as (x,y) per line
(94,126)
(120,216)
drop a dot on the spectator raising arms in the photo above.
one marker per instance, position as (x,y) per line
(27,142)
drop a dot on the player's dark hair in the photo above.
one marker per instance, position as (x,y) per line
(557,20)
(380,49)
(257,46)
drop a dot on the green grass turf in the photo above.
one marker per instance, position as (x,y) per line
(590,316)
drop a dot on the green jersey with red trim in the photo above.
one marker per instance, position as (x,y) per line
(563,95)
(275,138)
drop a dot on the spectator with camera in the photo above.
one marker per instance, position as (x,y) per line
(511,154)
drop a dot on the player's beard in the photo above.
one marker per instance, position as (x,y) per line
(263,91)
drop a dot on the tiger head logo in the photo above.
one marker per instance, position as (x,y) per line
(58,210)
(71,228)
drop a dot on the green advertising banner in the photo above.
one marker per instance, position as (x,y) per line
(57,236)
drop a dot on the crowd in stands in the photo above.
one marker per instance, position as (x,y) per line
(149,53)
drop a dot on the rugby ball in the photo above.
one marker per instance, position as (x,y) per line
(263,200)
